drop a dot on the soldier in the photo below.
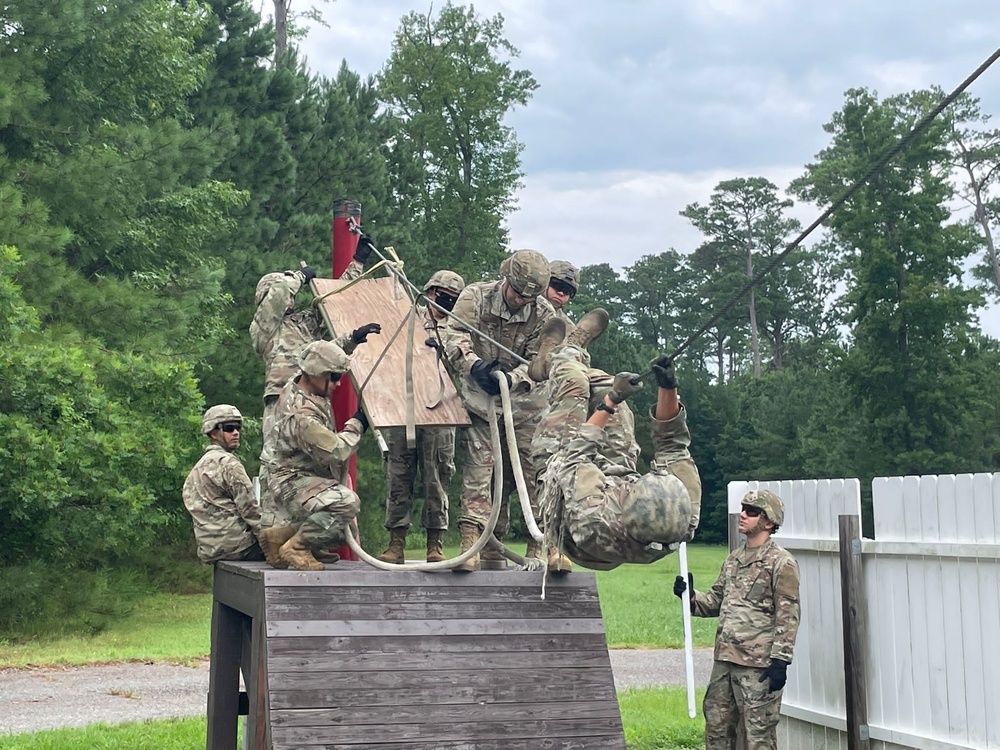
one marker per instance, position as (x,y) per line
(218,494)
(564,283)
(512,312)
(434,451)
(309,458)
(278,331)
(756,598)
(600,512)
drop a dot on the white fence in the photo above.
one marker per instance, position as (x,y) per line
(931,619)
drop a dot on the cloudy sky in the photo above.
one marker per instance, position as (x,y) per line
(644,105)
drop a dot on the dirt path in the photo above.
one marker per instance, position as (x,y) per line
(36,699)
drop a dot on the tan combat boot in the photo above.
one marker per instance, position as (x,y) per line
(534,549)
(590,328)
(551,335)
(397,546)
(491,558)
(558,563)
(270,541)
(435,545)
(470,535)
(297,555)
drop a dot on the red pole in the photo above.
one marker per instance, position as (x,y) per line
(345,400)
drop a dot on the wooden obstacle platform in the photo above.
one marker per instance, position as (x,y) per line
(353,657)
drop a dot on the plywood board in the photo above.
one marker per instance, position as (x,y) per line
(381,300)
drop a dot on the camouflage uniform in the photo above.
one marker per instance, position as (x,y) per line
(309,459)
(218,495)
(597,507)
(278,331)
(756,598)
(482,305)
(435,454)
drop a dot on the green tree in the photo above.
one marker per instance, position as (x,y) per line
(449,83)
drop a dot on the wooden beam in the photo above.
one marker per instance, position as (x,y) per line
(852,602)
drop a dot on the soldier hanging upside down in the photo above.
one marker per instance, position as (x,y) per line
(600,511)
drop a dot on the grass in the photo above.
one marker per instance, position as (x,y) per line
(654,719)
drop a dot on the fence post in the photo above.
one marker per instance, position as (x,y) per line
(852,606)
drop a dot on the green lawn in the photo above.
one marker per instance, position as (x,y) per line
(654,719)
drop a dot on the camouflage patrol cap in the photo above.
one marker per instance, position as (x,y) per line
(264,286)
(768,502)
(566,272)
(527,271)
(658,509)
(216,415)
(447,280)
(321,357)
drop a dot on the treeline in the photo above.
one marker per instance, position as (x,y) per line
(158,157)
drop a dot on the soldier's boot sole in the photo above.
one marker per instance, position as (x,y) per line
(558,563)
(295,553)
(590,328)
(551,335)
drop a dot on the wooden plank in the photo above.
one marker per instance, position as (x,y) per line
(410,594)
(447,732)
(323,608)
(595,742)
(382,300)
(416,711)
(321,662)
(854,637)
(242,593)
(349,573)
(434,627)
(932,549)
(508,686)
(451,645)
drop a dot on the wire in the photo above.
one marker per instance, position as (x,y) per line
(874,169)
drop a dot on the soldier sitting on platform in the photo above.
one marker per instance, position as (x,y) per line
(600,512)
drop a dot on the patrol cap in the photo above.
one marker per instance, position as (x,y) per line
(768,502)
(527,271)
(658,509)
(216,415)
(321,357)
(264,286)
(447,280)
(566,272)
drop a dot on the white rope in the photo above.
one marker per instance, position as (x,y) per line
(515,461)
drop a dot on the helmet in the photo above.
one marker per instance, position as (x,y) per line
(319,357)
(768,502)
(658,509)
(264,286)
(527,271)
(447,280)
(566,272)
(216,415)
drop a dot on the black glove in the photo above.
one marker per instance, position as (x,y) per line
(360,335)
(360,416)
(626,383)
(433,343)
(308,274)
(364,249)
(680,587)
(663,370)
(777,674)
(482,372)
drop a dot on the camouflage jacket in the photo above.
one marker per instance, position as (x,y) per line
(570,325)
(309,453)
(219,496)
(756,598)
(278,330)
(482,306)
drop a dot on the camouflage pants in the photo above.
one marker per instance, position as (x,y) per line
(736,694)
(435,455)
(271,513)
(477,478)
(321,508)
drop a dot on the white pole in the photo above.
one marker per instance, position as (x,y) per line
(682,553)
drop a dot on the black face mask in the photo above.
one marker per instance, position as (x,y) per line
(446,300)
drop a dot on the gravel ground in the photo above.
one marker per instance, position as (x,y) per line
(35,699)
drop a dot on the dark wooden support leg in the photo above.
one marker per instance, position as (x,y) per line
(224,678)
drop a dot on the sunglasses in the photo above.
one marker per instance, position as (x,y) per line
(446,301)
(230,427)
(562,287)
(751,511)
(334,377)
